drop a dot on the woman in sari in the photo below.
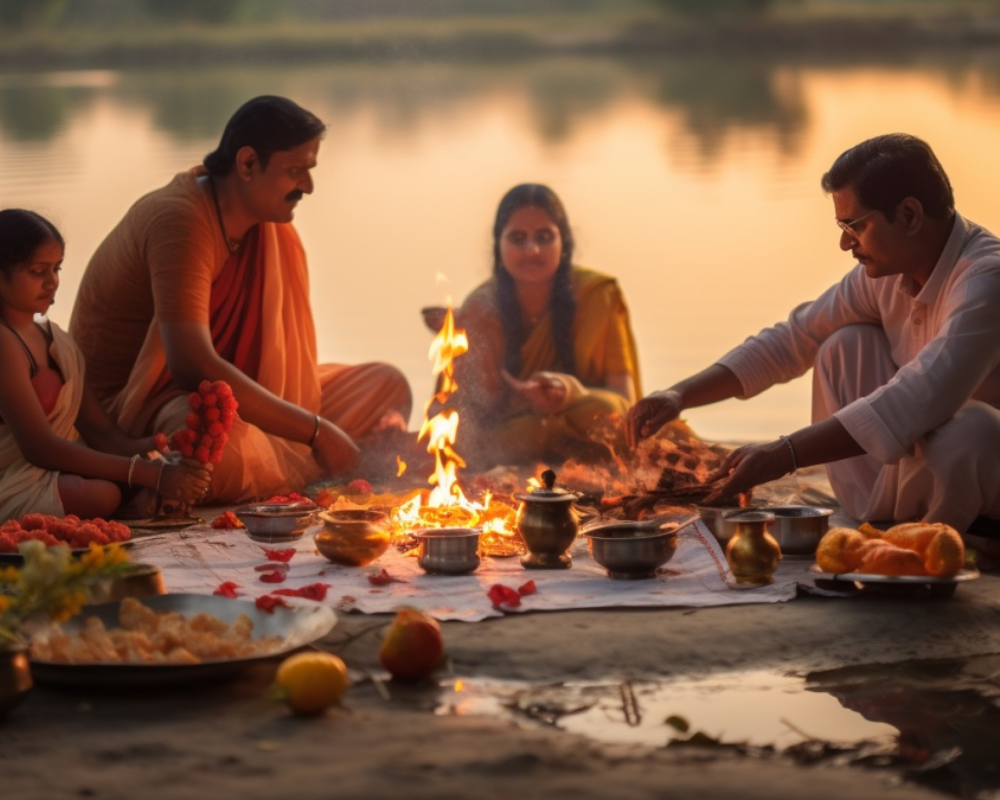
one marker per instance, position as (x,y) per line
(60,453)
(551,353)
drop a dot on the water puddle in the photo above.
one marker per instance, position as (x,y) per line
(935,722)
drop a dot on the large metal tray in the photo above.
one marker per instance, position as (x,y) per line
(939,587)
(296,626)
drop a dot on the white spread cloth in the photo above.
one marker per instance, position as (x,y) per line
(199,559)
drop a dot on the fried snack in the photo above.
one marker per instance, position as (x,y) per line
(880,557)
(945,553)
(147,637)
(914,535)
(840,550)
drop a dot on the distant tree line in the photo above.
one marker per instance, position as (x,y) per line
(15,14)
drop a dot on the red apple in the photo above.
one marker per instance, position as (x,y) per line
(413,646)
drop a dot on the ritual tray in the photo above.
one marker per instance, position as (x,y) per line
(297,626)
(937,587)
(162,523)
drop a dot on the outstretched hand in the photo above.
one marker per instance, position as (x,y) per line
(545,392)
(747,467)
(650,414)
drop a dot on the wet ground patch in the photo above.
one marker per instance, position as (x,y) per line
(933,722)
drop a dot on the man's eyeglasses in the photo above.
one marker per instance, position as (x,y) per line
(848,227)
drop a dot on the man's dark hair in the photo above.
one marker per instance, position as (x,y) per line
(884,170)
(267,124)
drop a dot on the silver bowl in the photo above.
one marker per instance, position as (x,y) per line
(630,551)
(275,522)
(715,520)
(798,529)
(448,551)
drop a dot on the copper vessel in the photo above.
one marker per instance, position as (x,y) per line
(547,523)
(753,553)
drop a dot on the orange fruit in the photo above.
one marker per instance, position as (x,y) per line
(413,646)
(311,682)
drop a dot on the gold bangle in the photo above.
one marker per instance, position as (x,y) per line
(131,469)
(315,436)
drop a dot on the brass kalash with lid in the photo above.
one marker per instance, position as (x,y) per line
(548,524)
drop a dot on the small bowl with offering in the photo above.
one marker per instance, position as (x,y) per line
(275,522)
(632,550)
(353,537)
(448,551)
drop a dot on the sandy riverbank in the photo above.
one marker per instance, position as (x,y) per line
(227,740)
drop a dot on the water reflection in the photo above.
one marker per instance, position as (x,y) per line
(673,171)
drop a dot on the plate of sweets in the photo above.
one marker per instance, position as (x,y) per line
(913,554)
(78,533)
(171,638)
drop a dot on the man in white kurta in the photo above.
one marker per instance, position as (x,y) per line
(906,350)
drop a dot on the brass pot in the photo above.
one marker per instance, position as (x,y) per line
(753,553)
(15,678)
(547,523)
(353,537)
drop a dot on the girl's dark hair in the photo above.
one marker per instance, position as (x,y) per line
(267,124)
(884,170)
(561,304)
(21,233)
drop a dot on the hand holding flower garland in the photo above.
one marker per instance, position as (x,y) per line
(213,411)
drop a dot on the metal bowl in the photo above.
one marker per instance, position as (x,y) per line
(629,551)
(798,529)
(354,537)
(275,522)
(715,520)
(448,551)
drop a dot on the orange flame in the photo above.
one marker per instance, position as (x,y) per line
(447,505)
(400,467)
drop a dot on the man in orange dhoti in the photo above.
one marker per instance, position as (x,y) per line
(206,279)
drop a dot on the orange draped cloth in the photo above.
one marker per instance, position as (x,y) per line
(603,346)
(167,261)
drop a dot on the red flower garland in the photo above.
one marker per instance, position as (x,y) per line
(213,411)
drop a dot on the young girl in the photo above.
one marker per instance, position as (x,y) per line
(60,453)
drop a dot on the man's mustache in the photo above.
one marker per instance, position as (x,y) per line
(296,195)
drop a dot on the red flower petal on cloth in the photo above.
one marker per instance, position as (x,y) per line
(359,486)
(314,591)
(272,566)
(527,588)
(274,576)
(269,602)
(503,596)
(227,589)
(283,556)
(381,578)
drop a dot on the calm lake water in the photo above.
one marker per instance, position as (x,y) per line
(695,182)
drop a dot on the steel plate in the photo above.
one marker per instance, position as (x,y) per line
(296,626)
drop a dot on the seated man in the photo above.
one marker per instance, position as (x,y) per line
(906,350)
(206,279)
